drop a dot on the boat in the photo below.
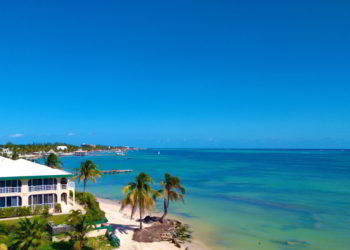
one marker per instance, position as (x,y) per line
(120,153)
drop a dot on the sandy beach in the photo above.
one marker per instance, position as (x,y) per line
(125,228)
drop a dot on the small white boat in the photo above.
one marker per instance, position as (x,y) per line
(119,153)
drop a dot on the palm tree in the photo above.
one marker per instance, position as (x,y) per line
(172,191)
(15,155)
(140,195)
(30,234)
(53,161)
(78,221)
(88,171)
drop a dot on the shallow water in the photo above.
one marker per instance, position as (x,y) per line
(247,199)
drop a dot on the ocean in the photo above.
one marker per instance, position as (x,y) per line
(246,199)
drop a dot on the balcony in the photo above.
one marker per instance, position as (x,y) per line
(42,188)
(5,190)
(69,185)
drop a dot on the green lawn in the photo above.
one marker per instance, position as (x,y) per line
(57,219)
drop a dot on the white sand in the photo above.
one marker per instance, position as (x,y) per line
(125,230)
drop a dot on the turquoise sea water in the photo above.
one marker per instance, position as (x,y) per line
(247,199)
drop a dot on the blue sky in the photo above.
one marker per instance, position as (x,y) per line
(176,73)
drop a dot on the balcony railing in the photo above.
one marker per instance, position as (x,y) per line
(10,190)
(42,188)
(50,187)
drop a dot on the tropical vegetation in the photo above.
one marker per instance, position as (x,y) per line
(139,195)
(88,171)
(30,234)
(172,191)
(53,161)
(91,205)
(38,147)
(15,155)
(79,222)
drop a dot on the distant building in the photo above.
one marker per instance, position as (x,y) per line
(80,152)
(62,148)
(6,151)
(88,145)
(51,152)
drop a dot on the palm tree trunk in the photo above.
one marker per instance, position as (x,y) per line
(85,180)
(140,215)
(166,205)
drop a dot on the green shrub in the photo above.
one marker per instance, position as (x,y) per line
(10,212)
(58,208)
(91,205)
(37,210)
(45,212)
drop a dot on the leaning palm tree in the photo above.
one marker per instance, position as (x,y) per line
(139,195)
(88,171)
(78,221)
(30,234)
(172,191)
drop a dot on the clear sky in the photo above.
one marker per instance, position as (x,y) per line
(176,73)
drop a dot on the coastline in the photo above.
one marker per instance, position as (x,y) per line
(126,226)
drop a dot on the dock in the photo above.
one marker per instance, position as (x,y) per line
(116,171)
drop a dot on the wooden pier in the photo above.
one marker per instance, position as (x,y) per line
(116,171)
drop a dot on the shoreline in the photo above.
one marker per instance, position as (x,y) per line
(126,226)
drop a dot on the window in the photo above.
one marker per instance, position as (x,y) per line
(2,201)
(40,199)
(8,201)
(50,198)
(2,184)
(14,201)
(35,199)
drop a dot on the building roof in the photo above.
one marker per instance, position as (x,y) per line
(23,169)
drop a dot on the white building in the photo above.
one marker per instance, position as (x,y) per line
(80,152)
(62,148)
(25,183)
(6,151)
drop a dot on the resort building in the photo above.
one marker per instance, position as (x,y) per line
(51,151)
(6,151)
(80,152)
(25,183)
(62,148)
